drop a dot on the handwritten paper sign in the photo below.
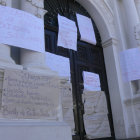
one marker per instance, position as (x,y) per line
(59,64)
(20,29)
(91,81)
(86,29)
(29,96)
(96,115)
(67,35)
(130,64)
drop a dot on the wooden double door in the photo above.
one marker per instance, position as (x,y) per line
(87,58)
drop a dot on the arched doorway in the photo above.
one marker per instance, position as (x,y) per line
(87,58)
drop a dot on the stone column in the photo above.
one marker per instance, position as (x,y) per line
(110,49)
(132,20)
(137,2)
(5,58)
(31,60)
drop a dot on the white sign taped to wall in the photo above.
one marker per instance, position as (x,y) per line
(59,64)
(28,95)
(67,35)
(86,29)
(130,64)
(91,81)
(21,29)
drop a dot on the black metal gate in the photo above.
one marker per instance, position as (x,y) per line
(87,58)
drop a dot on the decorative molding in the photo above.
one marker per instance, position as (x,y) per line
(109,4)
(106,9)
(110,42)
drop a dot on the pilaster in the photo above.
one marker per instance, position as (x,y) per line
(115,86)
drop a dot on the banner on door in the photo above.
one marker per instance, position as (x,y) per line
(91,81)
(67,35)
(86,29)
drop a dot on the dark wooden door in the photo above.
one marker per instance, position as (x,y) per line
(87,58)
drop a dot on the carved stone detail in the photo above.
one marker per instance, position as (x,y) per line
(106,8)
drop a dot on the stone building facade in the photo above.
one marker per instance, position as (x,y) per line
(118,22)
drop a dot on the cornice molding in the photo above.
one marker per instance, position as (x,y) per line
(110,42)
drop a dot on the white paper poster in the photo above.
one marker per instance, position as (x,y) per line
(86,29)
(27,95)
(91,81)
(20,29)
(96,115)
(130,64)
(58,63)
(67,35)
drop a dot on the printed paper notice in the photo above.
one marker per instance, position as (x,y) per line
(29,96)
(20,29)
(130,64)
(91,81)
(58,63)
(67,35)
(86,29)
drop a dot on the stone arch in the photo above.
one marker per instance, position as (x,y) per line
(103,18)
(102,13)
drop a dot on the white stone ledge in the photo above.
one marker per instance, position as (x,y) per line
(34,130)
(110,42)
(25,122)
